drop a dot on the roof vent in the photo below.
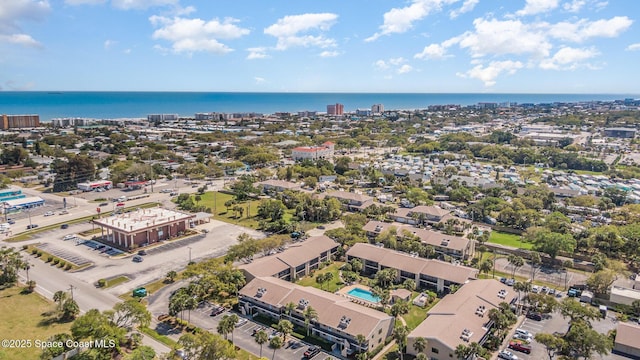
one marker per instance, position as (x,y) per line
(481,310)
(378,228)
(344,322)
(261,291)
(303,303)
(444,242)
(502,294)
(466,335)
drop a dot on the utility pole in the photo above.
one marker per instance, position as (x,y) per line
(71,287)
(189,247)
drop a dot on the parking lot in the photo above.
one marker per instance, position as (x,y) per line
(556,323)
(243,334)
(64,254)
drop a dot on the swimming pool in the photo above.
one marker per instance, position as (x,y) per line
(364,295)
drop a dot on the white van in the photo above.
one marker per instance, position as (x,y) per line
(5,226)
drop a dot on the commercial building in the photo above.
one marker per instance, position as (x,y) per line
(11,194)
(162,117)
(271,186)
(339,320)
(377,108)
(22,203)
(455,246)
(625,133)
(324,151)
(19,121)
(624,296)
(90,186)
(430,274)
(143,227)
(335,109)
(460,318)
(627,341)
(297,261)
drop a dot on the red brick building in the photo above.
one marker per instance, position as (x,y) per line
(143,227)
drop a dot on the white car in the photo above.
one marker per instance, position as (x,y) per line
(48,213)
(69,237)
(508,355)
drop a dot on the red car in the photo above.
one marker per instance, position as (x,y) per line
(519,346)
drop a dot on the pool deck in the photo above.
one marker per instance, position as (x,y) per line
(345,293)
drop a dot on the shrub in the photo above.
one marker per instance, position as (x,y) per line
(39,253)
(49,258)
(68,267)
(34,251)
(25,247)
(62,263)
(102,283)
(56,261)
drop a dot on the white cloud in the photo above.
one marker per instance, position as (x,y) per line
(257,53)
(467,6)
(108,44)
(633,47)
(259,80)
(569,58)
(583,29)
(194,35)
(488,74)
(326,54)
(20,39)
(433,51)
(141,4)
(405,69)
(14,12)
(533,7)
(574,6)
(396,61)
(381,65)
(290,30)
(400,20)
(495,37)
(84,2)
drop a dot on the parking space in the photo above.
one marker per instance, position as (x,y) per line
(101,248)
(64,254)
(171,245)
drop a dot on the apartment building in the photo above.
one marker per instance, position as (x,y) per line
(460,318)
(324,151)
(297,261)
(339,320)
(430,274)
(455,246)
(351,201)
(19,121)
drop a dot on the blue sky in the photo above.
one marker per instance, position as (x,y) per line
(522,46)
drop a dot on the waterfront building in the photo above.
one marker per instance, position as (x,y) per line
(19,121)
(335,109)
(324,151)
(377,108)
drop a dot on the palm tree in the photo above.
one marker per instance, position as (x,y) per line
(485,266)
(31,285)
(361,340)
(462,351)
(172,275)
(60,297)
(516,261)
(275,343)
(261,338)
(226,325)
(422,356)
(420,344)
(285,327)
(400,335)
(310,314)
(289,308)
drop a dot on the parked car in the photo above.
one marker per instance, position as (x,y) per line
(48,213)
(255,330)
(217,310)
(241,322)
(296,345)
(69,237)
(522,337)
(508,355)
(138,258)
(32,226)
(104,204)
(519,346)
(535,289)
(311,352)
(64,226)
(63,212)
(142,252)
(11,221)
(510,282)
(524,333)
(534,316)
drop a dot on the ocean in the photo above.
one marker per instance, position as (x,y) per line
(111,105)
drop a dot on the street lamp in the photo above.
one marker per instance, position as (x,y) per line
(189,247)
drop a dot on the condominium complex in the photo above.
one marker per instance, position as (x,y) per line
(19,121)
(335,109)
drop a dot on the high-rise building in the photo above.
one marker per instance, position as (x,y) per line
(377,108)
(19,121)
(337,109)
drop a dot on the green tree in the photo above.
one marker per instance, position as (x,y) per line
(59,342)
(70,310)
(554,344)
(285,327)
(310,314)
(515,261)
(227,324)
(400,335)
(96,325)
(572,309)
(275,343)
(172,275)
(485,266)
(130,313)
(261,338)
(420,345)
(583,341)
(11,262)
(551,243)
(142,353)
(205,346)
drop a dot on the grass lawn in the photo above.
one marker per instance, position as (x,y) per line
(31,322)
(513,240)
(116,281)
(334,285)
(417,314)
(215,200)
